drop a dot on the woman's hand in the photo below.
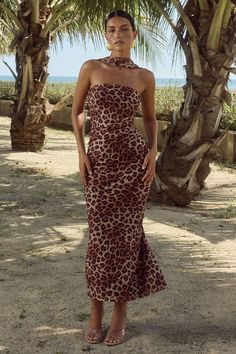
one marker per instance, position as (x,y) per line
(150,164)
(84,167)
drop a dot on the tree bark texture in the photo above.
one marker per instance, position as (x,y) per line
(183,165)
(29,116)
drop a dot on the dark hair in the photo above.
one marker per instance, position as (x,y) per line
(120,13)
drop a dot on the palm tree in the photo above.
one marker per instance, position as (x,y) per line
(206,32)
(35,25)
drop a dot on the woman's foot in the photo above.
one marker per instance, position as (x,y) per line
(116,332)
(94,330)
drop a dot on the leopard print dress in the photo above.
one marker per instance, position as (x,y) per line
(120,265)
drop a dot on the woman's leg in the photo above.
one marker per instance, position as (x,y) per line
(95,321)
(115,333)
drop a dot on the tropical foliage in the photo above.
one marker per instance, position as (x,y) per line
(35,25)
(205,32)
(168,100)
(4,41)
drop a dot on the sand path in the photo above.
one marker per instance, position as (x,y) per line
(43,236)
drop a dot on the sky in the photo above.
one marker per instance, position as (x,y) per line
(66,61)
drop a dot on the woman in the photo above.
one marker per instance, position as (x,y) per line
(116,173)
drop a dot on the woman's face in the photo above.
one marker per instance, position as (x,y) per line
(119,33)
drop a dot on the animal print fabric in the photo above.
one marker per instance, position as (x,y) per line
(120,265)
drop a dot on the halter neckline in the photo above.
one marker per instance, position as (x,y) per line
(120,62)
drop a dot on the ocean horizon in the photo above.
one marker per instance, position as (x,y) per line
(160,82)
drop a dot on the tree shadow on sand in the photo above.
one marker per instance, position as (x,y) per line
(43,238)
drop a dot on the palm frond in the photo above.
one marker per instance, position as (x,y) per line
(8,11)
(5,38)
(151,44)
(76,24)
(77,20)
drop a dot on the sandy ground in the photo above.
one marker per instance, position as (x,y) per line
(43,236)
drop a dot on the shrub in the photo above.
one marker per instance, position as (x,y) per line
(55,91)
(229,115)
(7,90)
(167,100)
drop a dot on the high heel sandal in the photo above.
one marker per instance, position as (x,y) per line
(98,334)
(121,335)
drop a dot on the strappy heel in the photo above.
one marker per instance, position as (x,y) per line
(119,333)
(97,332)
(98,335)
(116,342)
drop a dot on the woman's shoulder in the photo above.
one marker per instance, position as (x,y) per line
(146,75)
(89,63)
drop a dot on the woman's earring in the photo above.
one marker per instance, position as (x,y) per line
(133,44)
(108,46)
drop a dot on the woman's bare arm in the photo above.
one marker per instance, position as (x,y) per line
(150,126)
(77,115)
(148,110)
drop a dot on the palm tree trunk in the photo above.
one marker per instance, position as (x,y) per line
(183,165)
(29,116)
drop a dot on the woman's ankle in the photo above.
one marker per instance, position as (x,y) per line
(96,312)
(96,305)
(122,307)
